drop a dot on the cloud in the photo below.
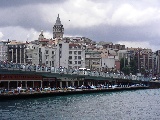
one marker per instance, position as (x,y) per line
(128,15)
(17,3)
(109,20)
(1,35)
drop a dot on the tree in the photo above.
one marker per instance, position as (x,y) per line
(126,70)
(133,66)
(123,63)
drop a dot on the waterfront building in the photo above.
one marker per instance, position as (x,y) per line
(61,54)
(58,29)
(144,58)
(31,55)
(41,52)
(14,79)
(69,55)
(16,52)
(158,62)
(116,46)
(3,50)
(108,60)
(40,55)
(76,56)
(93,60)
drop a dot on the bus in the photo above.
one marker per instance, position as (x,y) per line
(84,71)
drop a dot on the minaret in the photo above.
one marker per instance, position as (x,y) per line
(58,29)
(41,36)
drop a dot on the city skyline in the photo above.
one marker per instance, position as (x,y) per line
(132,23)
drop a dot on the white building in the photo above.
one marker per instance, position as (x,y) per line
(3,50)
(76,56)
(61,54)
(41,55)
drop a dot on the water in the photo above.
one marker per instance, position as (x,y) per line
(126,105)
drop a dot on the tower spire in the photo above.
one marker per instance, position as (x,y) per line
(58,29)
(58,21)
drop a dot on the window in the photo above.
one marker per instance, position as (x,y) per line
(79,52)
(70,52)
(79,57)
(75,62)
(79,62)
(75,57)
(70,57)
(46,62)
(70,62)
(75,52)
(52,63)
(60,45)
(52,52)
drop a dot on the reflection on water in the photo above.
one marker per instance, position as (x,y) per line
(126,105)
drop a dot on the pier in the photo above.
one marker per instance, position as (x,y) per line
(28,82)
(62,92)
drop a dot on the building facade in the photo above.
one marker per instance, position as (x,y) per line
(3,50)
(76,56)
(16,52)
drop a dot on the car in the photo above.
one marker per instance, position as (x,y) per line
(92,87)
(70,88)
(82,87)
(47,89)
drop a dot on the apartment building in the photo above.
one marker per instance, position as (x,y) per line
(116,46)
(16,52)
(3,50)
(61,54)
(76,56)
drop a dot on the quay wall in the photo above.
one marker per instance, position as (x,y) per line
(4,97)
(154,84)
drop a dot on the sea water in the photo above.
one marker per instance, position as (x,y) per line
(124,105)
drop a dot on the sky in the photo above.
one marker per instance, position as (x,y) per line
(133,23)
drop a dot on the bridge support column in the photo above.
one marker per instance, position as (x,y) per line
(78,83)
(73,83)
(8,84)
(41,84)
(60,84)
(26,84)
(66,84)
(21,84)
(17,84)
(33,84)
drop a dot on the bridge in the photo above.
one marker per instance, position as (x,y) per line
(71,76)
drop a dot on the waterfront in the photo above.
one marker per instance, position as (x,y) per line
(124,105)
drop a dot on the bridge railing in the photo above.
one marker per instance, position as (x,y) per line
(38,68)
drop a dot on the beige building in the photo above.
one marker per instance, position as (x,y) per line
(16,52)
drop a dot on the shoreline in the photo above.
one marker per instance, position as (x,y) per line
(28,95)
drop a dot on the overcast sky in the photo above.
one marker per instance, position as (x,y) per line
(134,23)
